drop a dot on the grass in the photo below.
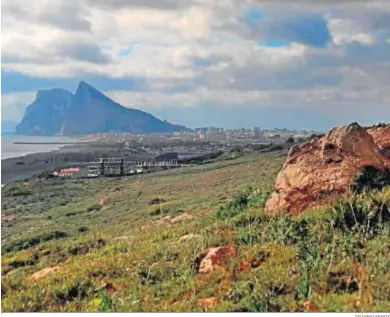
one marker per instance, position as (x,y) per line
(118,254)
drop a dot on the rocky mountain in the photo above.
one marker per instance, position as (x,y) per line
(59,112)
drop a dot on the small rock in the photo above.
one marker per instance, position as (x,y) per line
(42,273)
(244,266)
(208,302)
(123,238)
(7,217)
(215,257)
(189,237)
(167,219)
(110,288)
(205,212)
(103,202)
(309,306)
(184,216)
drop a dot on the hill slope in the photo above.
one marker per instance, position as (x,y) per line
(58,111)
(108,245)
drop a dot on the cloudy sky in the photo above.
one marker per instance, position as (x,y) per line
(231,63)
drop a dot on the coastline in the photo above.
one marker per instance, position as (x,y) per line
(30,165)
(27,153)
(31,162)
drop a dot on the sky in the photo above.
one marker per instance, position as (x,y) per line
(298,64)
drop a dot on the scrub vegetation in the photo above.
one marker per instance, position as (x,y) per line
(114,244)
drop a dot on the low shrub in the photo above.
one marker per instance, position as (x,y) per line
(362,214)
(27,243)
(242,201)
(370,178)
(94,207)
(156,201)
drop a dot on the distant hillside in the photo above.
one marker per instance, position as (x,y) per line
(58,111)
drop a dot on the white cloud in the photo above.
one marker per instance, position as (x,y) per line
(348,31)
(14,104)
(203,52)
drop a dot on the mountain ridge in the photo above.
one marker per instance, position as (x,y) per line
(59,111)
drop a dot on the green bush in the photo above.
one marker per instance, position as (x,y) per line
(245,298)
(286,229)
(95,207)
(363,214)
(26,243)
(15,190)
(370,178)
(242,201)
(156,201)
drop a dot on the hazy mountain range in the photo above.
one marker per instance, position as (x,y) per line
(60,112)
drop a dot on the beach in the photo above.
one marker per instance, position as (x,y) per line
(25,156)
(20,145)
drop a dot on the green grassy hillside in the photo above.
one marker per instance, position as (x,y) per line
(110,248)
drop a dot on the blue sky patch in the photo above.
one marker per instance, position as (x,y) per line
(273,43)
(202,62)
(124,52)
(253,15)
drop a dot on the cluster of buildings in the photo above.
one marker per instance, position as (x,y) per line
(66,172)
(255,134)
(214,134)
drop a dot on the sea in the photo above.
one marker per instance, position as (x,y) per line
(10,149)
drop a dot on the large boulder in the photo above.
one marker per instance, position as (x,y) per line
(324,168)
(381,136)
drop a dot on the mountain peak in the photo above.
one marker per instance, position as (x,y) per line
(85,92)
(84,86)
(53,93)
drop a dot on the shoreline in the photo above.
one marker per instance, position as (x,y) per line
(23,155)
(19,147)
(22,166)
(50,143)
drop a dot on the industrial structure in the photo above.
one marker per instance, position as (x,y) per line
(120,167)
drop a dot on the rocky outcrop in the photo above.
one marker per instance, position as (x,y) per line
(381,136)
(324,168)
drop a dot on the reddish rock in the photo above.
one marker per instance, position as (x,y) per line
(244,266)
(322,169)
(311,307)
(208,302)
(381,136)
(206,212)
(215,258)
(7,217)
(109,287)
(103,201)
